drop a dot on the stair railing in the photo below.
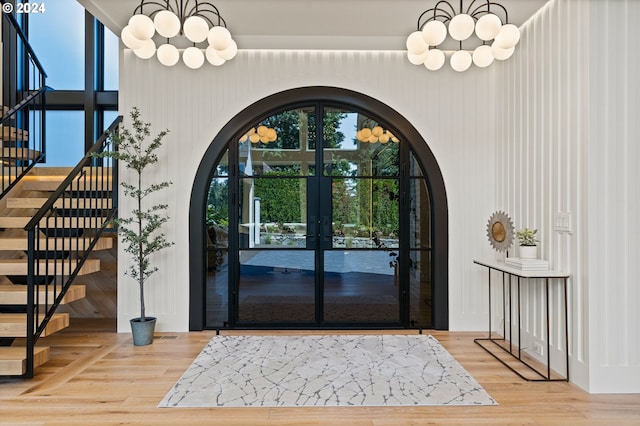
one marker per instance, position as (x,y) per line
(64,232)
(22,126)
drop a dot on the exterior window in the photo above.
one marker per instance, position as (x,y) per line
(111,48)
(67,126)
(57,37)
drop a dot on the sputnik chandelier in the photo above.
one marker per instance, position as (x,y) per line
(487,19)
(263,134)
(182,21)
(373,133)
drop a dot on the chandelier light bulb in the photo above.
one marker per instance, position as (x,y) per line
(129,40)
(434,33)
(418,59)
(461,60)
(435,60)
(147,50)
(461,27)
(482,56)
(213,57)
(271,135)
(230,52)
(254,138)
(501,54)
(384,138)
(416,43)
(193,57)
(219,38)
(488,26)
(508,36)
(168,55)
(196,29)
(141,27)
(262,130)
(167,23)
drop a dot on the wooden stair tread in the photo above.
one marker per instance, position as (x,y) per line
(12,134)
(63,243)
(15,325)
(12,294)
(19,222)
(67,203)
(13,359)
(19,154)
(57,267)
(51,183)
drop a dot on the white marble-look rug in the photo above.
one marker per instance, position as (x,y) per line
(336,370)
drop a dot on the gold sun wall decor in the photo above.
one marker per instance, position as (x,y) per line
(500,231)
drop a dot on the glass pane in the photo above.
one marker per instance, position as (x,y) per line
(420,289)
(222,169)
(414,166)
(65,138)
(279,145)
(217,239)
(365,213)
(111,57)
(58,38)
(419,214)
(276,286)
(273,212)
(217,214)
(360,286)
(108,117)
(217,288)
(356,145)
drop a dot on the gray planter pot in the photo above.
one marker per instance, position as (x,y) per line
(143,331)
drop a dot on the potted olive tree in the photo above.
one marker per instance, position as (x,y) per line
(528,243)
(140,232)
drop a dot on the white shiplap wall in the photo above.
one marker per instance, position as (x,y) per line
(614,196)
(570,144)
(554,129)
(454,113)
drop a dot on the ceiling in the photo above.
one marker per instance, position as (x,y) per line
(318,24)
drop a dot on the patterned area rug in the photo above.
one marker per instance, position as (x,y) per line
(342,370)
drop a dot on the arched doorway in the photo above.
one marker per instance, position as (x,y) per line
(318,207)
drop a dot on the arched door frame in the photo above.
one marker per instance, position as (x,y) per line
(276,102)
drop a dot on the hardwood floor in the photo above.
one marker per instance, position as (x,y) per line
(98,377)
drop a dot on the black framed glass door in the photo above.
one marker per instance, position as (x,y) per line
(320,197)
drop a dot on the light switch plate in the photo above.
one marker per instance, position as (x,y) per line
(562,222)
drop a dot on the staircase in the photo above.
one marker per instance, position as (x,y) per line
(59,249)
(50,222)
(51,219)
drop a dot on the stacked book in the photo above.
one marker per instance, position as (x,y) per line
(527,264)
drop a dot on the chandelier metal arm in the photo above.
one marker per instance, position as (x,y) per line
(445,17)
(199,8)
(183,10)
(140,8)
(478,10)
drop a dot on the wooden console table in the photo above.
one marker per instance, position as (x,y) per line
(523,274)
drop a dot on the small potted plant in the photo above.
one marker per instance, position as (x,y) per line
(528,243)
(141,232)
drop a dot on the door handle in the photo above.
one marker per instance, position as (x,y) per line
(326,228)
(311,228)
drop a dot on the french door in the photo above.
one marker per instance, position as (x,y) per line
(325,203)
